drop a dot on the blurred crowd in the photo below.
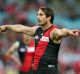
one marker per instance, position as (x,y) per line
(67,14)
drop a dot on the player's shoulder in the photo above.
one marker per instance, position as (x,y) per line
(55,31)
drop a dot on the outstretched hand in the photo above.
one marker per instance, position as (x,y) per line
(75,33)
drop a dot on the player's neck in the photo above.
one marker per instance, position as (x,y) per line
(46,26)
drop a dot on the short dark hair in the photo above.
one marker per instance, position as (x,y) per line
(49,12)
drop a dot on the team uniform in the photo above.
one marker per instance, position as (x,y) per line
(26,54)
(46,52)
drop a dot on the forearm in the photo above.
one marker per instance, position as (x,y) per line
(13,58)
(65,32)
(59,33)
(16,60)
(15,28)
(22,29)
(19,29)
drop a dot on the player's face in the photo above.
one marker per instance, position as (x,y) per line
(41,17)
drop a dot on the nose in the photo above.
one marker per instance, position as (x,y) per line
(37,16)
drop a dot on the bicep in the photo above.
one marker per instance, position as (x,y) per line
(21,29)
(61,33)
(55,36)
(56,33)
(30,30)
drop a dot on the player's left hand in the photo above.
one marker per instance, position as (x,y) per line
(75,33)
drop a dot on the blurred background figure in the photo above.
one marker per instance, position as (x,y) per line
(76,67)
(67,14)
(25,47)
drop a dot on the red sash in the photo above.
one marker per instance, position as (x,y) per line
(41,47)
(28,58)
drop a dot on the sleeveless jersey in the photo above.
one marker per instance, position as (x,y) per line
(22,49)
(28,58)
(46,51)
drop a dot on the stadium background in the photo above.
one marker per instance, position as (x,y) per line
(67,14)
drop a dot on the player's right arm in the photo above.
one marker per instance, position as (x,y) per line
(19,28)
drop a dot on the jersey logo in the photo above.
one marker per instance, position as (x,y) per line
(36,37)
(22,50)
(31,49)
(44,38)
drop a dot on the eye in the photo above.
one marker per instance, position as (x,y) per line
(40,14)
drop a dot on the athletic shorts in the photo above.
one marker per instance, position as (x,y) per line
(51,69)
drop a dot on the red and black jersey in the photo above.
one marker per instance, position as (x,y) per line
(22,49)
(46,51)
(28,57)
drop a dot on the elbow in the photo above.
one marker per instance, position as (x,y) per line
(7,55)
(19,28)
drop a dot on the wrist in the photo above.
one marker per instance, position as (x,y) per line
(6,27)
(70,33)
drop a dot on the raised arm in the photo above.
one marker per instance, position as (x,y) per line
(57,34)
(66,32)
(19,28)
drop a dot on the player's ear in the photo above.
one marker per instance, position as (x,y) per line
(48,18)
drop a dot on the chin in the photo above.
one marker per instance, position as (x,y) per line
(39,24)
